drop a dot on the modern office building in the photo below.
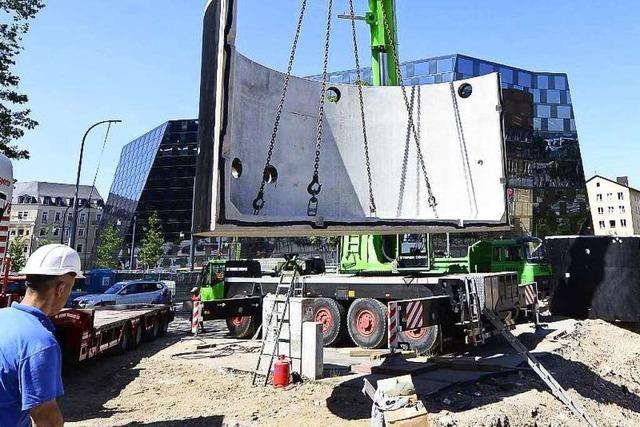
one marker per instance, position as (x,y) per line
(42,213)
(615,206)
(155,174)
(546,186)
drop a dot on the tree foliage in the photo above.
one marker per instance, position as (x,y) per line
(14,118)
(16,253)
(109,247)
(151,246)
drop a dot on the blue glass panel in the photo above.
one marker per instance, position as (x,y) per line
(465,66)
(427,80)
(524,79)
(537,123)
(486,69)
(536,95)
(446,77)
(564,112)
(543,82)
(421,68)
(556,125)
(445,65)
(506,74)
(543,111)
(560,82)
(553,96)
(572,125)
(568,97)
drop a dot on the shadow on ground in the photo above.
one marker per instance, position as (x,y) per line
(212,421)
(90,385)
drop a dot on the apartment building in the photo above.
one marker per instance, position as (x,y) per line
(42,213)
(615,206)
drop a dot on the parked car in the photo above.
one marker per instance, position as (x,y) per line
(128,292)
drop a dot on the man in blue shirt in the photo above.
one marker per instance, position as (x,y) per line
(30,358)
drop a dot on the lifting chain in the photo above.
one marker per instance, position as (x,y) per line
(314,186)
(258,202)
(431,198)
(372,202)
(463,148)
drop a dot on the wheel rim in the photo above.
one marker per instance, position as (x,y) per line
(323,315)
(237,320)
(417,334)
(366,322)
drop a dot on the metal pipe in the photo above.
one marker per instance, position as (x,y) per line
(74,223)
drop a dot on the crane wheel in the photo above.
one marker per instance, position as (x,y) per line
(332,315)
(367,323)
(136,337)
(241,326)
(423,340)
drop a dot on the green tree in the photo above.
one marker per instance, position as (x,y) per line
(14,119)
(109,247)
(151,246)
(16,253)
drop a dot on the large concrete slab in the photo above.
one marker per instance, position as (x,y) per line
(463,159)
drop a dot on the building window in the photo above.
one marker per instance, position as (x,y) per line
(79,247)
(82,217)
(610,209)
(56,231)
(620,196)
(609,196)
(20,232)
(99,217)
(612,224)
(600,211)
(57,217)
(13,232)
(621,209)
(599,197)
(67,232)
(80,232)
(601,223)
(623,223)
(597,184)
(26,232)
(43,231)
(45,217)
(69,217)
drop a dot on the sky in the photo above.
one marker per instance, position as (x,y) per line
(139,61)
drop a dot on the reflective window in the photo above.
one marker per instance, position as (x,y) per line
(537,123)
(536,95)
(421,68)
(465,66)
(543,110)
(524,79)
(486,69)
(556,125)
(560,82)
(445,65)
(568,97)
(506,74)
(446,77)
(427,80)
(553,96)
(564,111)
(543,82)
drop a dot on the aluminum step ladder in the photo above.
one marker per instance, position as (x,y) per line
(474,310)
(539,369)
(288,286)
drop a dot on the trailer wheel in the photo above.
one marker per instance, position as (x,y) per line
(367,323)
(136,337)
(164,326)
(125,339)
(153,333)
(241,326)
(332,316)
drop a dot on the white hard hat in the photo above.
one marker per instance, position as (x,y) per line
(53,260)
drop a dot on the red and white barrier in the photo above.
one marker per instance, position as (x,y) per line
(196,316)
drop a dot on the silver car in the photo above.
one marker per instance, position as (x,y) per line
(128,292)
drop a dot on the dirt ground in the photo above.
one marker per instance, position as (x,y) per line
(160,385)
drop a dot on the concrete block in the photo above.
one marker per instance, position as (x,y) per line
(312,350)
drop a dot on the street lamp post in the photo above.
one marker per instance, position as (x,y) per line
(133,242)
(74,222)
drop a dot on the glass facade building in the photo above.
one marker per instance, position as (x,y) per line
(155,174)
(545,178)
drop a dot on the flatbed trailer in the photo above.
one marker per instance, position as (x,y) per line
(86,333)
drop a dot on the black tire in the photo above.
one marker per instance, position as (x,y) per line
(332,315)
(124,343)
(242,326)
(423,340)
(136,337)
(372,331)
(164,326)
(151,334)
